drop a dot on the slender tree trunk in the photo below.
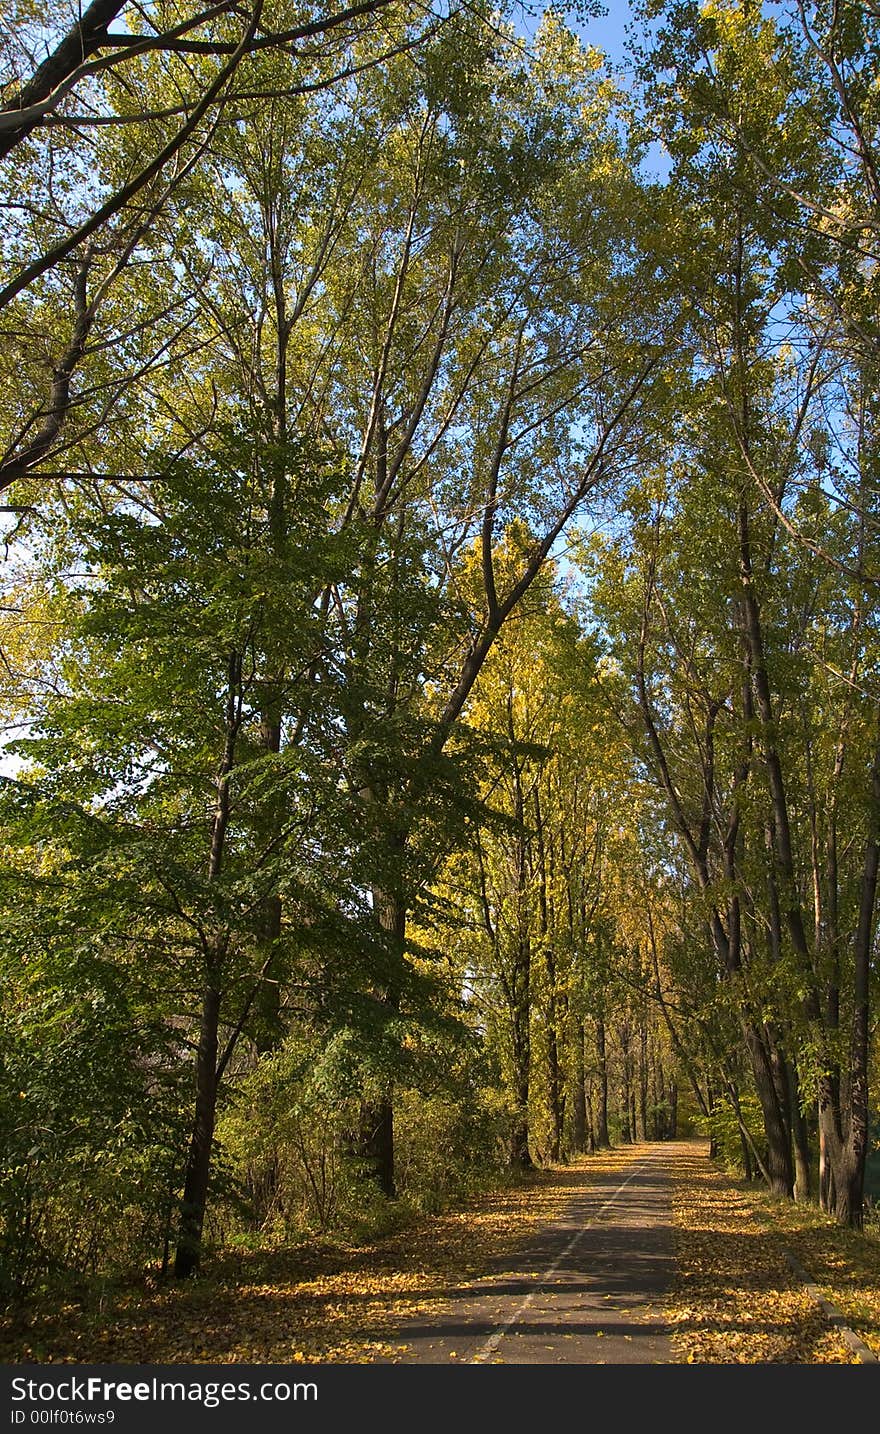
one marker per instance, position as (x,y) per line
(554,1075)
(521,977)
(643,1082)
(678,1045)
(800,1138)
(661,1131)
(376,1126)
(602,1137)
(198,1166)
(745,1135)
(267,1004)
(746,1153)
(592,1139)
(627,1103)
(827,1189)
(520,1156)
(579,1096)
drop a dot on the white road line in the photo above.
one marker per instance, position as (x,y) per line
(488,1349)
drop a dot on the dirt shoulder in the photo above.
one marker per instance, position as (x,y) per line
(736,1299)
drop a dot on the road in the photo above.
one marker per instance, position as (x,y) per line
(584,1291)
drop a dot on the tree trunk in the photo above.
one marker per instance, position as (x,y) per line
(800,1138)
(592,1142)
(780,1172)
(841,1170)
(661,1131)
(376,1133)
(826,1173)
(520,1156)
(627,1103)
(602,1138)
(267,1004)
(376,1142)
(520,985)
(849,1155)
(198,1166)
(579,1097)
(842,1154)
(554,1076)
(746,1153)
(849,1197)
(643,1083)
(745,1136)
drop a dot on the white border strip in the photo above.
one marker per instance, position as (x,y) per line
(831,1312)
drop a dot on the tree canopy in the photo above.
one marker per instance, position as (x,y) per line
(440,631)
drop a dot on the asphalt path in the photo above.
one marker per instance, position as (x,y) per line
(586,1290)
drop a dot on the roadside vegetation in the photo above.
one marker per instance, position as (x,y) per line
(439,637)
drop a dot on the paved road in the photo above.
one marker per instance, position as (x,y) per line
(581,1293)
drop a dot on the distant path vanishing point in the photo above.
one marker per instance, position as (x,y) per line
(584,1289)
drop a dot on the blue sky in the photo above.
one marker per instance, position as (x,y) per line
(606,31)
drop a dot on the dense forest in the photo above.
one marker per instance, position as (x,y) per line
(439,629)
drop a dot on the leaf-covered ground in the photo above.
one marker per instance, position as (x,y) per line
(844,1263)
(736,1300)
(327,1303)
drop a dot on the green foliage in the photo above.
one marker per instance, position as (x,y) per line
(445,678)
(723,1128)
(92,1110)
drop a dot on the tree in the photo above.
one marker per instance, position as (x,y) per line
(85,204)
